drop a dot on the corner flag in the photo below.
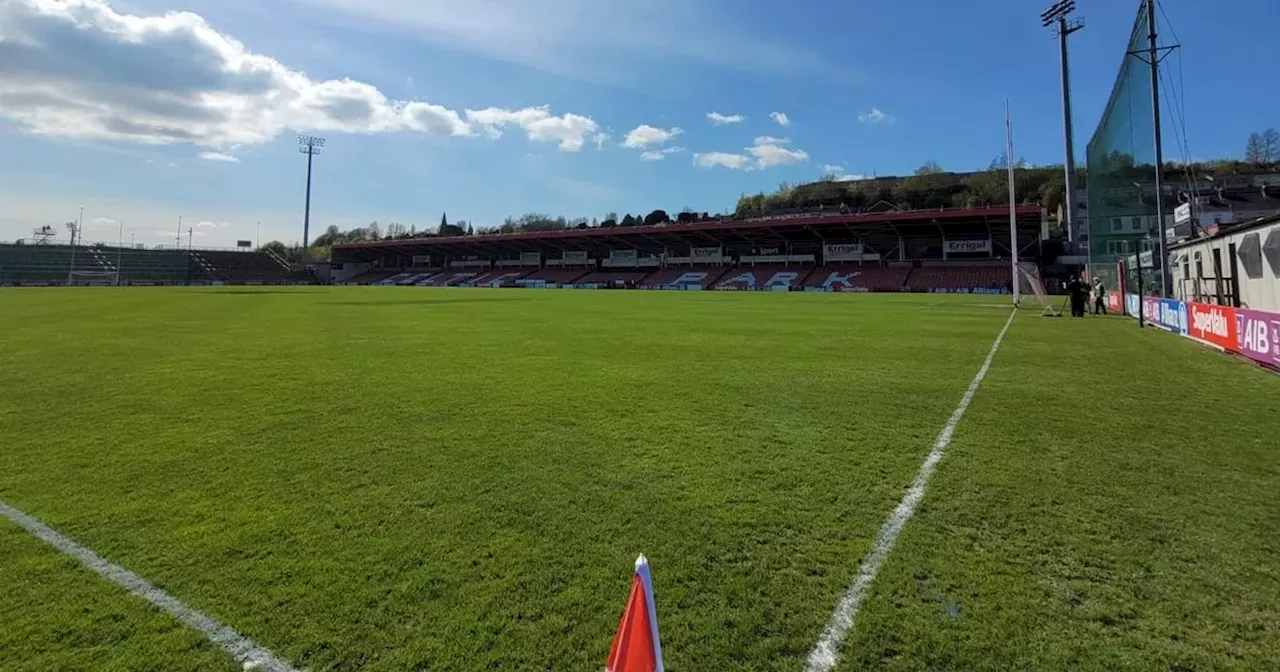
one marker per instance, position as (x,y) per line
(636,647)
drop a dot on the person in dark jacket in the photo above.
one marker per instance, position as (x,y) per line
(1078,290)
(1099,297)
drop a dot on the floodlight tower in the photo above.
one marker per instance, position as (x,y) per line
(311,146)
(1057,18)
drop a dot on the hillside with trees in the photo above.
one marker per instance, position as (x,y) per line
(930,187)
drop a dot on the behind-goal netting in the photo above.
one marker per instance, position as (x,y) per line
(1028,276)
(93,278)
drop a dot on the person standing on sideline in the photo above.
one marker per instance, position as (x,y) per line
(1099,296)
(1078,290)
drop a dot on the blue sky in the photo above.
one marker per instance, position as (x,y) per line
(489,108)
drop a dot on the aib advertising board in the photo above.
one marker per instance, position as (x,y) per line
(1258,336)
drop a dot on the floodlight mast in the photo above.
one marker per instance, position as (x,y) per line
(1057,17)
(311,146)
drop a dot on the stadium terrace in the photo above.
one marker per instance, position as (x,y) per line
(944,251)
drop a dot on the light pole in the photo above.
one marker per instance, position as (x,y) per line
(120,252)
(311,146)
(76,226)
(257,236)
(1056,16)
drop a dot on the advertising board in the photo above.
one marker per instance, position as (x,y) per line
(1215,325)
(969,246)
(845,252)
(1258,336)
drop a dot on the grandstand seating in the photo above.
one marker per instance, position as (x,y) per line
(704,276)
(450,278)
(764,277)
(371,277)
(241,267)
(614,278)
(858,277)
(959,278)
(559,276)
(505,277)
(50,264)
(410,278)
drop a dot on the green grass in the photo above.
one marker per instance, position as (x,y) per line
(403,478)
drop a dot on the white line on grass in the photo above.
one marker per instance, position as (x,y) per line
(827,651)
(241,648)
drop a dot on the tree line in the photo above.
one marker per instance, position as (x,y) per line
(929,187)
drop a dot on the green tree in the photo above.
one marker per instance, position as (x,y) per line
(929,168)
(1255,152)
(656,217)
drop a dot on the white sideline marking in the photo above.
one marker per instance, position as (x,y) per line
(827,651)
(244,650)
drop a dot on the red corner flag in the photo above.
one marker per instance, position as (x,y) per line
(636,647)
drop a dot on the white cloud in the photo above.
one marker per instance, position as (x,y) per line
(600,139)
(765,152)
(731,161)
(722,119)
(102,222)
(780,118)
(660,154)
(224,224)
(770,152)
(218,156)
(172,164)
(875,116)
(569,131)
(610,41)
(80,69)
(645,135)
(838,173)
(205,225)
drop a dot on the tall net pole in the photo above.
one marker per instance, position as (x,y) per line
(1166,278)
(1013,199)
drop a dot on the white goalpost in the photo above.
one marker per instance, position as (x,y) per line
(1013,202)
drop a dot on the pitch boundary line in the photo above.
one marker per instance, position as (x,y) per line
(243,649)
(826,652)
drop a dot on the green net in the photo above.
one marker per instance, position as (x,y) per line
(1121,161)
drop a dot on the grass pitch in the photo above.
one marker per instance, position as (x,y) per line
(405,478)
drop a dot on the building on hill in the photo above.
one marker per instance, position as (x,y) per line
(1130,220)
(1235,264)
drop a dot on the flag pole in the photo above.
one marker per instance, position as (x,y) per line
(1013,196)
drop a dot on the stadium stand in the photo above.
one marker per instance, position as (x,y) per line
(858,278)
(951,278)
(372,277)
(504,277)
(700,276)
(613,278)
(242,267)
(406,279)
(764,277)
(449,278)
(105,265)
(556,276)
